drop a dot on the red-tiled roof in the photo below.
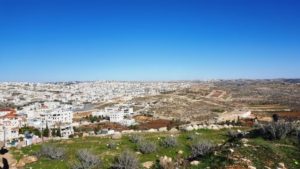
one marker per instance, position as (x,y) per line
(11,115)
(7,109)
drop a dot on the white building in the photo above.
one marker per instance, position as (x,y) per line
(60,118)
(8,134)
(118,114)
(128,122)
(100,113)
(66,130)
(56,118)
(116,117)
(10,123)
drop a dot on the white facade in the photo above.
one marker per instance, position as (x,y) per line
(66,130)
(116,117)
(100,113)
(128,122)
(9,126)
(61,119)
(57,117)
(36,123)
(8,134)
(11,122)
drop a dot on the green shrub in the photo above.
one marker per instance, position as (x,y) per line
(126,160)
(86,160)
(235,136)
(111,145)
(146,147)
(277,130)
(201,148)
(135,138)
(51,152)
(169,142)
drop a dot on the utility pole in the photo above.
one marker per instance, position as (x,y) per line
(42,133)
(4,134)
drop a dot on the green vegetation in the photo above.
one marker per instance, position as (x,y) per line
(93,119)
(112,145)
(271,153)
(86,160)
(135,138)
(32,130)
(51,152)
(211,153)
(126,160)
(169,142)
(201,149)
(46,132)
(278,130)
(55,132)
(146,147)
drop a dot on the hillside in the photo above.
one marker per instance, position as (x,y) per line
(204,101)
(251,152)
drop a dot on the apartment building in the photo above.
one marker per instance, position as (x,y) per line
(56,117)
(10,123)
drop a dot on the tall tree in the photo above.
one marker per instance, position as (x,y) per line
(58,134)
(46,131)
(53,132)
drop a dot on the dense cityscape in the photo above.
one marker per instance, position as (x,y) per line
(150,84)
(51,106)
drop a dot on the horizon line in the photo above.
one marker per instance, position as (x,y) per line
(179,80)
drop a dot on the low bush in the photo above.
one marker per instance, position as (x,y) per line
(51,152)
(86,160)
(169,142)
(146,147)
(201,148)
(235,136)
(135,138)
(277,130)
(111,145)
(126,160)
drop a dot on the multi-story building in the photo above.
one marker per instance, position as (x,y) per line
(10,123)
(116,117)
(56,117)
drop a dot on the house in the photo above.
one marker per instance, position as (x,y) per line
(116,117)
(66,130)
(10,123)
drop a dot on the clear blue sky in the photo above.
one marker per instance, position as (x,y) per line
(61,40)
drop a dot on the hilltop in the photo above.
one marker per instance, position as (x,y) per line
(255,152)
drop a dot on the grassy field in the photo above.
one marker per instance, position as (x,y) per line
(261,152)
